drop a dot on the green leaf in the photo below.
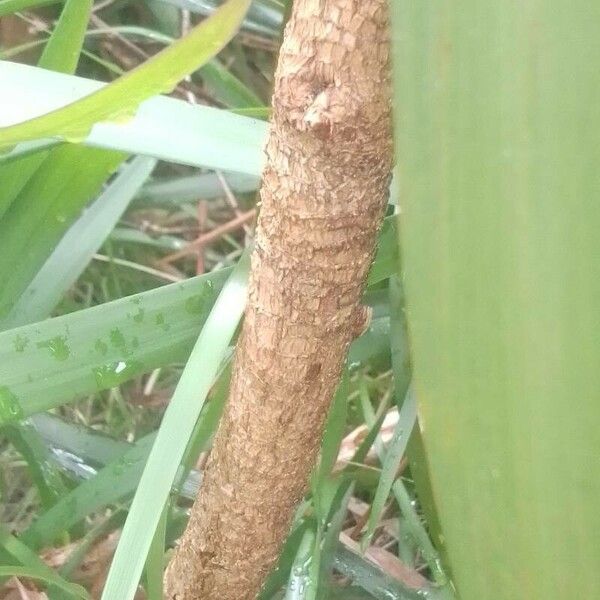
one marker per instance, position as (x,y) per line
(42,470)
(50,363)
(73,590)
(227,88)
(21,553)
(155,562)
(62,50)
(188,189)
(78,245)
(11,6)
(47,364)
(60,54)
(52,198)
(497,137)
(174,434)
(372,579)
(264,16)
(391,463)
(120,99)
(206,136)
(117,481)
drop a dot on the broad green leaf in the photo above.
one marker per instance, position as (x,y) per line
(206,136)
(11,6)
(176,429)
(497,136)
(52,198)
(77,246)
(120,99)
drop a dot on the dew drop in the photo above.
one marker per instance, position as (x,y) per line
(57,346)
(10,407)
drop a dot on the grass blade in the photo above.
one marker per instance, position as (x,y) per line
(117,481)
(50,363)
(406,422)
(42,470)
(374,581)
(49,202)
(73,590)
(155,561)
(78,246)
(21,553)
(175,432)
(191,188)
(62,50)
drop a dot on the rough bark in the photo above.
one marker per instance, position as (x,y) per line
(323,196)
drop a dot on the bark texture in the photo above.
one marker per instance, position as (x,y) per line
(323,196)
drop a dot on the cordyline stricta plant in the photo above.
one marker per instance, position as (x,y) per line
(324,191)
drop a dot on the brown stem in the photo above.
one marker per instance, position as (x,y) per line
(324,191)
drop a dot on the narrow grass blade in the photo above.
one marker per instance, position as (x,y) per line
(121,99)
(173,437)
(111,469)
(42,470)
(335,427)
(387,252)
(78,246)
(71,589)
(62,50)
(115,482)
(19,552)
(406,422)
(299,583)
(49,202)
(264,16)
(227,88)
(206,136)
(377,583)
(155,562)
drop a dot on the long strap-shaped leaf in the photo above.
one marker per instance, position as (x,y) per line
(206,136)
(176,429)
(120,99)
